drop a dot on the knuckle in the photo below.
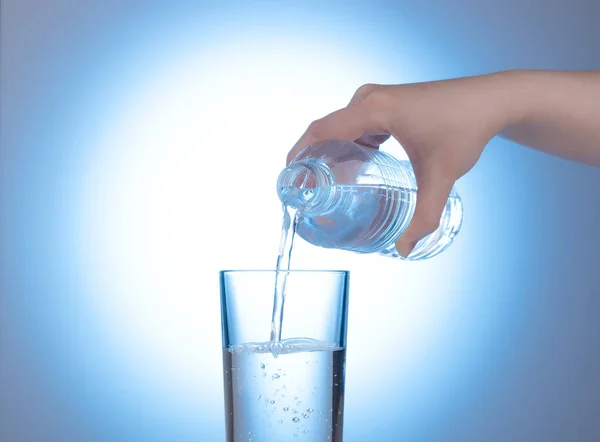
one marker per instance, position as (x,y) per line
(378,102)
(379,106)
(372,94)
(378,97)
(365,90)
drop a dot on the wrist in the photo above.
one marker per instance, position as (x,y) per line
(532,95)
(512,98)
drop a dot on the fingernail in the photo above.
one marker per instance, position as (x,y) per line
(405,247)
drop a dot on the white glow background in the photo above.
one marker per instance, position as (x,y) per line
(143,159)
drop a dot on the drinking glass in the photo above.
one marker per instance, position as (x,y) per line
(290,389)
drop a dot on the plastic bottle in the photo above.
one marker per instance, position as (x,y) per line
(360,199)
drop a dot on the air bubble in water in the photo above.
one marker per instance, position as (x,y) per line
(262,366)
(309,410)
(285,408)
(305,415)
(275,376)
(295,419)
(271,401)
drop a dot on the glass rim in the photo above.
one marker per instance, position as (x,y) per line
(229,271)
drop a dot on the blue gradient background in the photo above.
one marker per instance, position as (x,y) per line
(140,146)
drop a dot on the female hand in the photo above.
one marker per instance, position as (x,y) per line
(443,127)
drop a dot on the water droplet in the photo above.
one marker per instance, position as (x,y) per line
(296,397)
(296,419)
(305,431)
(309,410)
(259,396)
(295,411)
(271,401)
(262,366)
(305,415)
(285,408)
(275,376)
(296,434)
(280,421)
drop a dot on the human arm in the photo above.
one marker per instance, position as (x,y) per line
(444,126)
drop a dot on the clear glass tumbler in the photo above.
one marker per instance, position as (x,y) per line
(292,390)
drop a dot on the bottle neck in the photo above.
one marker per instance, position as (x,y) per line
(307,185)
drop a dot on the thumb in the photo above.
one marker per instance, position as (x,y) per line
(432,195)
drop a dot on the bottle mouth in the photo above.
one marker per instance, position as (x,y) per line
(306,185)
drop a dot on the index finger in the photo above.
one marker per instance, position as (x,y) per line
(348,123)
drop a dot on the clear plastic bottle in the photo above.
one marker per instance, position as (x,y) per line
(360,199)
